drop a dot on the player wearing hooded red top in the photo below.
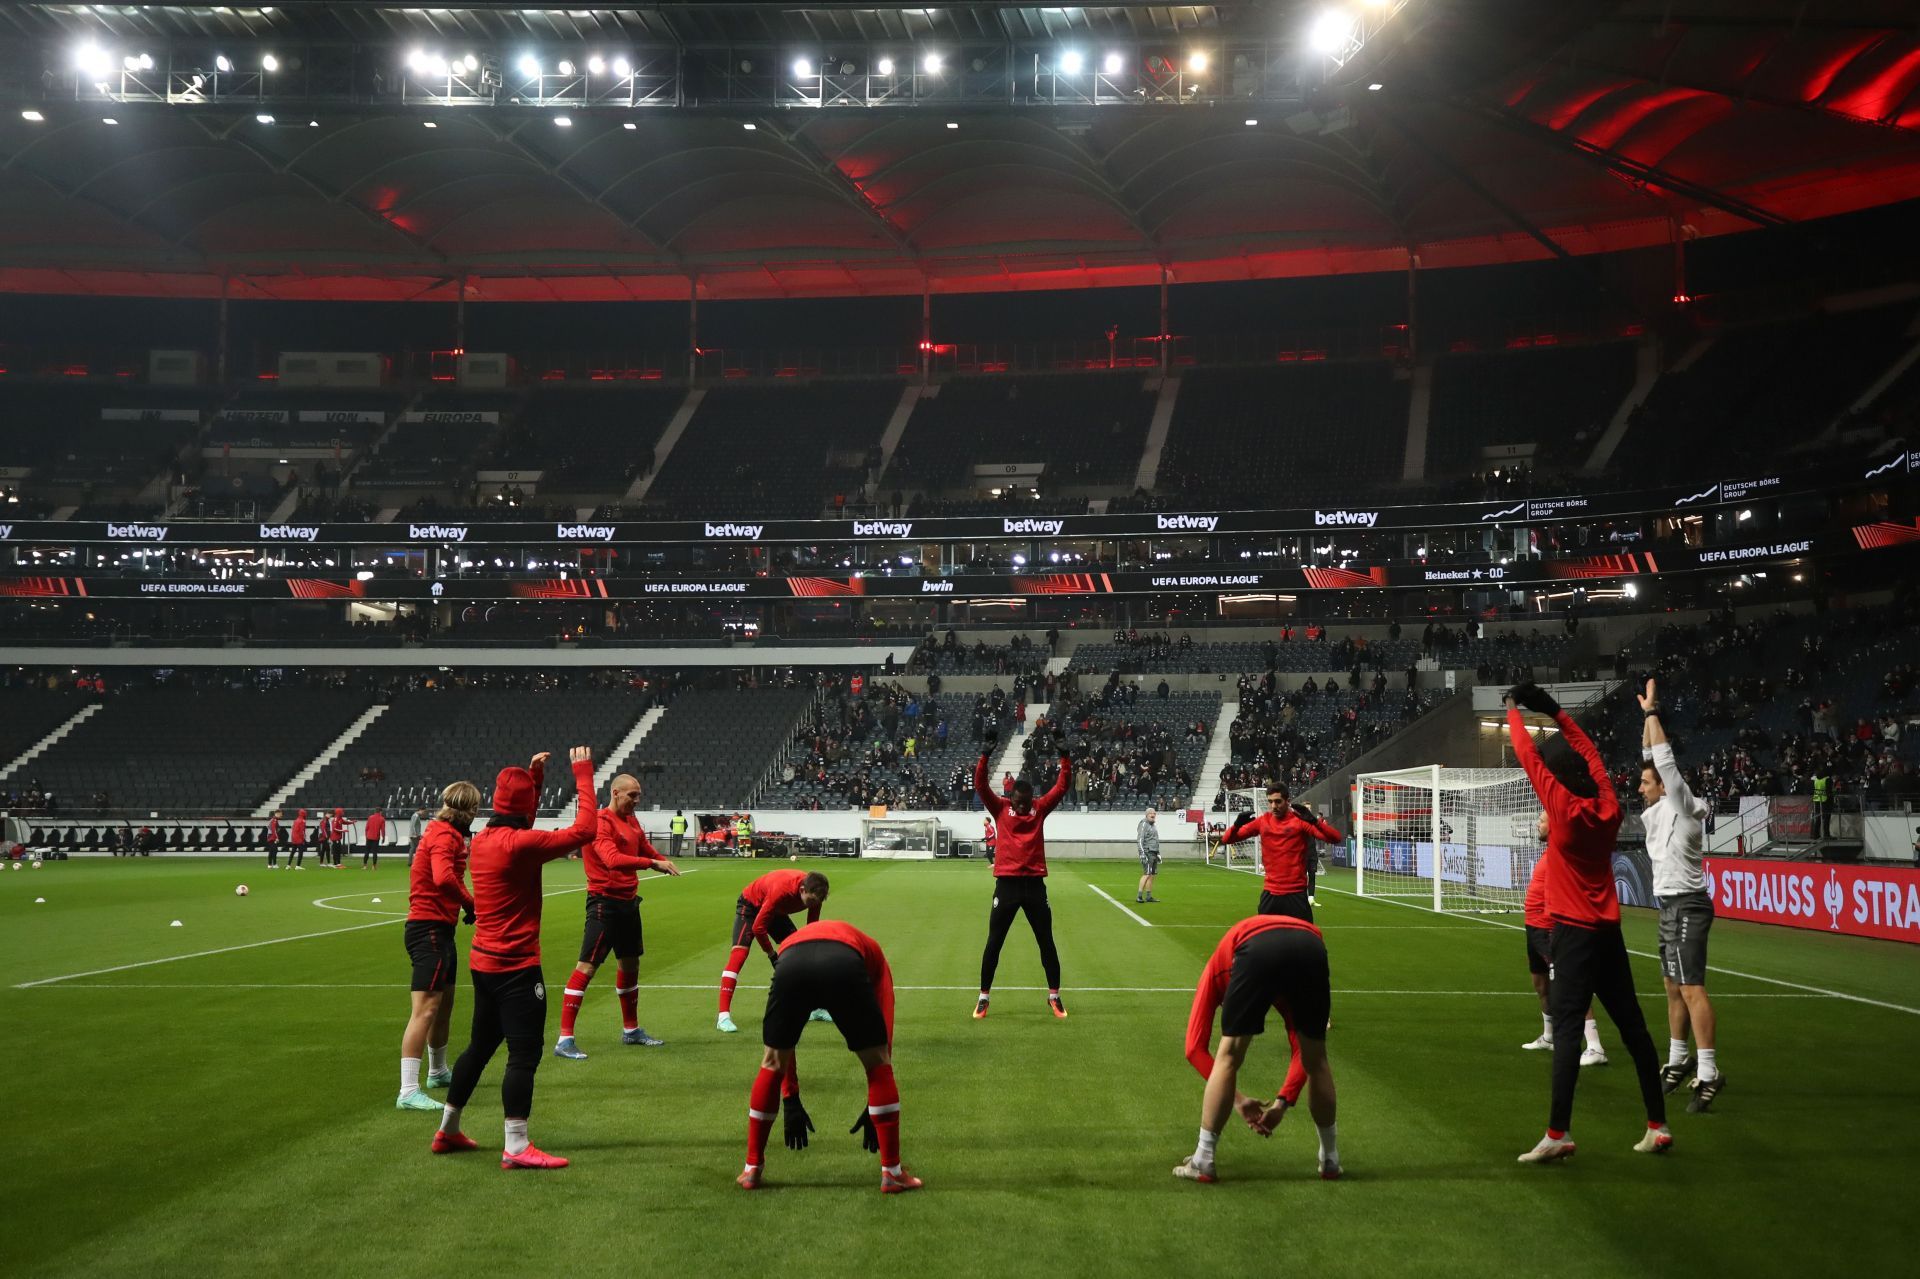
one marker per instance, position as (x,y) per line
(1589,953)
(833,966)
(299,852)
(509,992)
(619,852)
(1019,871)
(1286,833)
(761,915)
(437,898)
(1268,961)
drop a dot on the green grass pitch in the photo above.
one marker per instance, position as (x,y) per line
(232,1113)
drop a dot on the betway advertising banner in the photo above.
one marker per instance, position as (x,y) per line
(1857,901)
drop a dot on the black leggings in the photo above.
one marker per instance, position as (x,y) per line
(1589,964)
(1011,895)
(508,1006)
(369,852)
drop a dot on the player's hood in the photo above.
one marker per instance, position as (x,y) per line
(516,792)
(301,813)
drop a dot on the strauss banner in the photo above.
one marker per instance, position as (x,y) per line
(1858,901)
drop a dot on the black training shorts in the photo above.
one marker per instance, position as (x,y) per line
(613,928)
(1293,905)
(1685,921)
(430,945)
(779,927)
(1280,965)
(1539,950)
(822,974)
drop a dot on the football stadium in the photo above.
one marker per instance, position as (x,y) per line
(1283,635)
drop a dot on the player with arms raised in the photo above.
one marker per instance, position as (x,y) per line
(836,967)
(1675,819)
(619,852)
(1589,953)
(1286,831)
(1268,961)
(1019,871)
(761,915)
(509,991)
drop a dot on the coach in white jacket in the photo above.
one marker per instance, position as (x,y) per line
(1675,823)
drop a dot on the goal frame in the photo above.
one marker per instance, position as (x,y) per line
(1432,778)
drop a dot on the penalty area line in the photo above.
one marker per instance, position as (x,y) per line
(1120,907)
(251,945)
(1820,991)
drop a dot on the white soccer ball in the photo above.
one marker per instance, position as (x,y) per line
(36,865)
(240,890)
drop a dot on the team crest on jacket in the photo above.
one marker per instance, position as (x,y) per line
(540,991)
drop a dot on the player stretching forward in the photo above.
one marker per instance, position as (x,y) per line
(509,991)
(761,915)
(1674,816)
(436,898)
(835,966)
(1267,961)
(1020,871)
(1284,831)
(1539,927)
(1589,953)
(619,851)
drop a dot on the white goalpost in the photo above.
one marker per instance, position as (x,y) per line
(1481,823)
(1244,856)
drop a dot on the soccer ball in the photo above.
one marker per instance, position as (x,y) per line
(36,865)
(240,890)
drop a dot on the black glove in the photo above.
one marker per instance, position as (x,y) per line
(869,1136)
(1304,813)
(466,916)
(990,739)
(1535,699)
(799,1123)
(1066,754)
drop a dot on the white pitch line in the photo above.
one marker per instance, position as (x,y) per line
(254,945)
(1079,990)
(1122,909)
(1712,968)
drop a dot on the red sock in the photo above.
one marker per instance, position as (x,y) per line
(629,999)
(731,977)
(883,1104)
(570,1001)
(763,1106)
(790,1077)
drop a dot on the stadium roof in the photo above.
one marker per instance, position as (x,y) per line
(1499,132)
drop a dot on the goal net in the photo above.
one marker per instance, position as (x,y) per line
(1481,821)
(1245,855)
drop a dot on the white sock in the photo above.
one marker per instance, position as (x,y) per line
(1203,1153)
(1546,1026)
(1593,1034)
(436,1059)
(517,1136)
(1329,1145)
(1676,1052)
(409,1075)
(1709,1068)
(892,1170)
(450,1120)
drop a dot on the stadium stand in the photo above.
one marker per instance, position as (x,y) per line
(434,452)
(59,433)
(588,439)
(1298,736)
(430,736)
(1558,398)
(713,747)
(31,713)
(950,657)
(1287,435)
(782,451)
(1129,749)
(888,746)
(187,747)
(1763,388)
(1087,428)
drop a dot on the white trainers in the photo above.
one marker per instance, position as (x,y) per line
(1658,1141)
(725,1024)
(1591,1056)
(1550,1150)
(1329,1169)
(1544,1043)
(1187,1170)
